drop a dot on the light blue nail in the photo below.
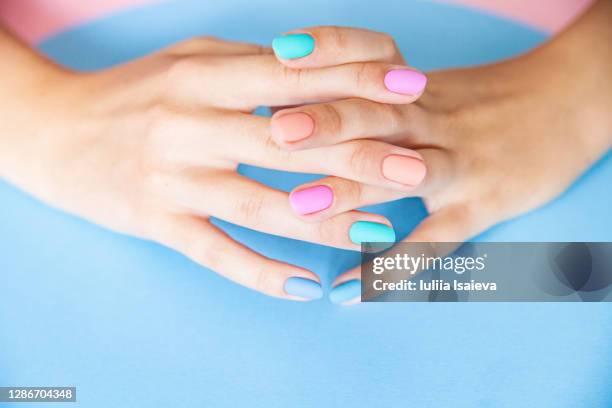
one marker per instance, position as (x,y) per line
(346,291)
(366,231)
(293,46)
(304,288)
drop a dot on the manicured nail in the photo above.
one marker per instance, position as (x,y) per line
(346,291)
(304,288)
(293,46)
(311,200)
(292,127)
(366,231)
(403,169)
(405,81)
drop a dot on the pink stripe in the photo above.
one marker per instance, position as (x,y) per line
(546,15)
(34,20)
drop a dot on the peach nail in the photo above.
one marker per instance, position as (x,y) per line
(404,169)
(292,127)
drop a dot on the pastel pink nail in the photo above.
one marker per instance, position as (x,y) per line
(311,199)
(404,169)
(405,81)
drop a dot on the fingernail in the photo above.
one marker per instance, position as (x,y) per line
(366,231)
(311,200)
(346,291)
(304,288)
(405,81)
(404,169)
(292,127)
(293,46)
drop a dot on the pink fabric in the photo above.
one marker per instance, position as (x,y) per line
(546,15)
(35,20)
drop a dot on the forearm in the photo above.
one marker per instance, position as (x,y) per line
(583,53)
(26,84)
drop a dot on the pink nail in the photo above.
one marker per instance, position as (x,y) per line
(311,200)
(405,81)
(404,169)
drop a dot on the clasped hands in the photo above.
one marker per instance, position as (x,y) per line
(151,148)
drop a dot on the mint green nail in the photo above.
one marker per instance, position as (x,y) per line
(366,231)
(293,46)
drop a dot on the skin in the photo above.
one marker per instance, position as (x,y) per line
(149,155)
(498,140)
(151,148)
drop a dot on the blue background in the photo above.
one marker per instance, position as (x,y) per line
(133,324)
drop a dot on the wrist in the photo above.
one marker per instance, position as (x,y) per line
(588,86)
(28,85)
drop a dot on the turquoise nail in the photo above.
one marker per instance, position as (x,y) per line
(304,288)
(366,231)
(346,291)
(293,46)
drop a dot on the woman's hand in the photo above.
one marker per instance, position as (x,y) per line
(151,149)
(497,140)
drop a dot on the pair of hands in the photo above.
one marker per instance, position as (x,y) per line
(151,148)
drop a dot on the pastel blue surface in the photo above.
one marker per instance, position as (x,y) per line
(132,324)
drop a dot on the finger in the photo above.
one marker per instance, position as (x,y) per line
(347,195)
(245,202)
(209,246)
(215,46)
(331,45)
(330,123)
(366,161)
(445,229)
(264,82)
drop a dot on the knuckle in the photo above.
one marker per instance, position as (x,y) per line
(292,77)
(208,40)
(261,50)
(201,41)
(364,74)
(249,208)
(388,44)
(179,69)
(206,252)
(353,191)
(182,72)
(262,280)
(209,254)
(336,36)
(328,232)
(360,157)
(158,115)
(331,119)
(394,116)
(161,123)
